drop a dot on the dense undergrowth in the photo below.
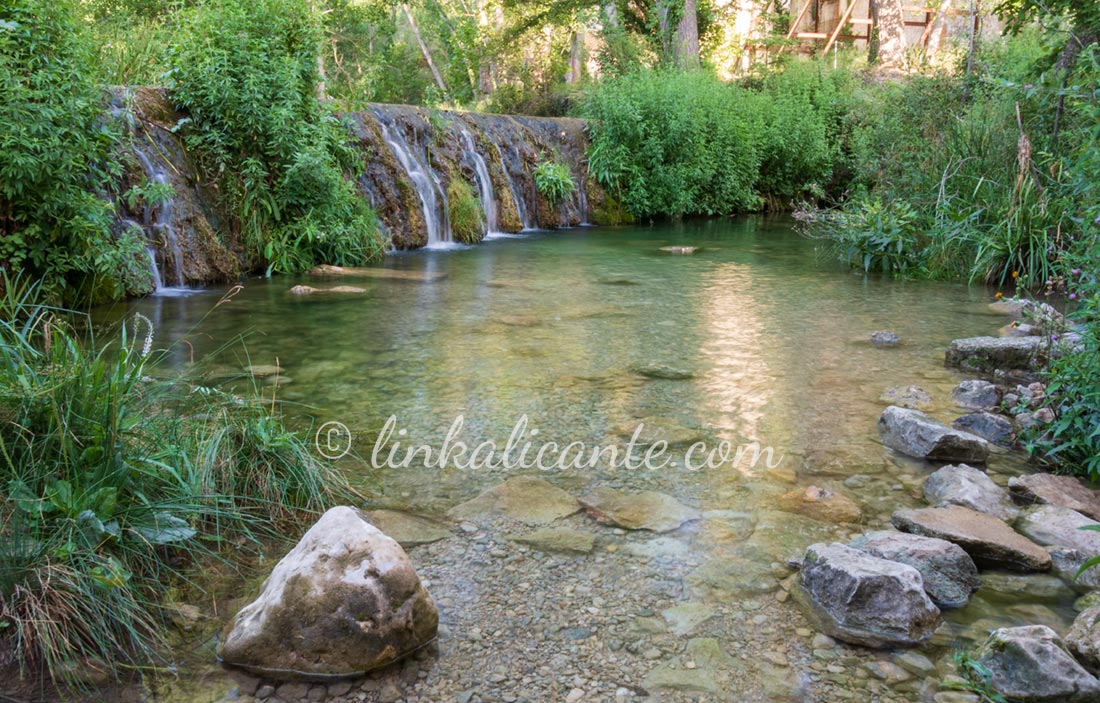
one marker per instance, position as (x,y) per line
(116,484)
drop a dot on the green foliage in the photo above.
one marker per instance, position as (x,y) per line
(670,143)
(112,482)
(877,237)
(56,159)
(464,209)
(246,73)
(554,181)
(977,679)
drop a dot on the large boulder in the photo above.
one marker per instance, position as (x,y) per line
(914,433)
(862,599)
(948,572)
(1055,526)
(526,499)
(820,504)
(1066,491)
(1083,639)
(989,426)
(988,541)
(343,601)
(991,353)
(1031,664)
(966,486)
(976,394)
(647,510)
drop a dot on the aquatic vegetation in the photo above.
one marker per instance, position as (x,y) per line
(466,214)
(554,181)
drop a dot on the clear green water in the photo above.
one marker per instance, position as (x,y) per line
(550,325)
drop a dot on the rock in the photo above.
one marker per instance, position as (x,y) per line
(384,273)
(662,372)
(1083,639)
(1019,329)
(527,499)
(820,504)
(1031,663)
(657,548)
(407,529)
(948,573)
(884,339)
(658,429)
(1042,587)
(732,577)
(914,433)
(1055,526)
(912,397)
(684,618)
(1065,491)
(648,510)
(343,601)
(666,678)
(310,290)
(990,353)
(976,394)
(988,541)
(558,539)
(1067,565)
(263,370)
(989,426)
(966,486)
(679,250)
(1044,416)
(861,599)
(518,320)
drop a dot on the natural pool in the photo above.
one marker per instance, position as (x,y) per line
(563,327)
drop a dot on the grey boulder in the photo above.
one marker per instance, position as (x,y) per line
(992,353)
(885,339)
(1066,491)
(991,427)
(1083,639)
(1031,664)
(1055,526)
(948,572)
(988,541)
(862,599)
(975,394)
(964,485)
(343,601)
(914,433)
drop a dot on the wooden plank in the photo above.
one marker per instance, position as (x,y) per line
(839,26)
(811,35)
(798,20)
(926,35)
(857,20)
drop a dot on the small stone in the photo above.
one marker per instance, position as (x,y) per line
(884,339)
(574,695)
(265,691)
(913,397)
(976,395)
(890,673)
(292,690)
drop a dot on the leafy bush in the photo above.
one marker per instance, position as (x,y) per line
(878,237)
(246,73)
(554,181)
(671,143)
(112,482)
(467,222)
(56,159)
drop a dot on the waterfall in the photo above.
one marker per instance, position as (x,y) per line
(424,182)
(521,206)
(484,184)
(159,219)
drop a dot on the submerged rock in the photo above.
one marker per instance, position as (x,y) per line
(343,601)
(647,510)
(679,250)
(820,504)
(862,599)
(884,339)
(562,540)
(914,433)
(310,290)
(732,577)
(948,572)
(912,397)
(976,394)
(658,429)
(407,529)
(991,353)
(1066,491)
(1032,664)
(991,427)
(1083,639)
(966,486)
(662,371)
(527,499)
(384,273)
(988,541)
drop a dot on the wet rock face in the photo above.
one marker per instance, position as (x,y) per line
(862,599)
(344,600)
(948,572)
(1032,664)
(914,433)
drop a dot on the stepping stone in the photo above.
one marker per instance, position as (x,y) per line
(988,354)
(407,529)
(1066,491)
(647,510)
(966,486)
(562,540)
(913,433)
(988,541)
(527,499)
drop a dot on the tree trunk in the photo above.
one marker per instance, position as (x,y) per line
(576,58)
(424,49)
(888,38)
(687,37)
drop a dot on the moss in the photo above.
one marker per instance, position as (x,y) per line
(611,212)
(467,225)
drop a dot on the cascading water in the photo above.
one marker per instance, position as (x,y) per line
(521,205)
(484,184)
(425,183)
(159,219)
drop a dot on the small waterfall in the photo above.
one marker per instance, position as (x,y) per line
(521,205)
(484,184)
(426,185)
(159,219)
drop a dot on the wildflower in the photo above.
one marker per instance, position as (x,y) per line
(1075,272)
(1028,86)
(1015,274)
(1073,296)
(999,295)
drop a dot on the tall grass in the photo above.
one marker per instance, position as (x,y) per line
(114,483)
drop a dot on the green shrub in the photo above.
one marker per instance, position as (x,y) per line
(554,181)
(57,166)
(464,209)
(878,237)
(670,143)
(246,74)
(113,482)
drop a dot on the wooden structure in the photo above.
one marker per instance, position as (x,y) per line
(850,14)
